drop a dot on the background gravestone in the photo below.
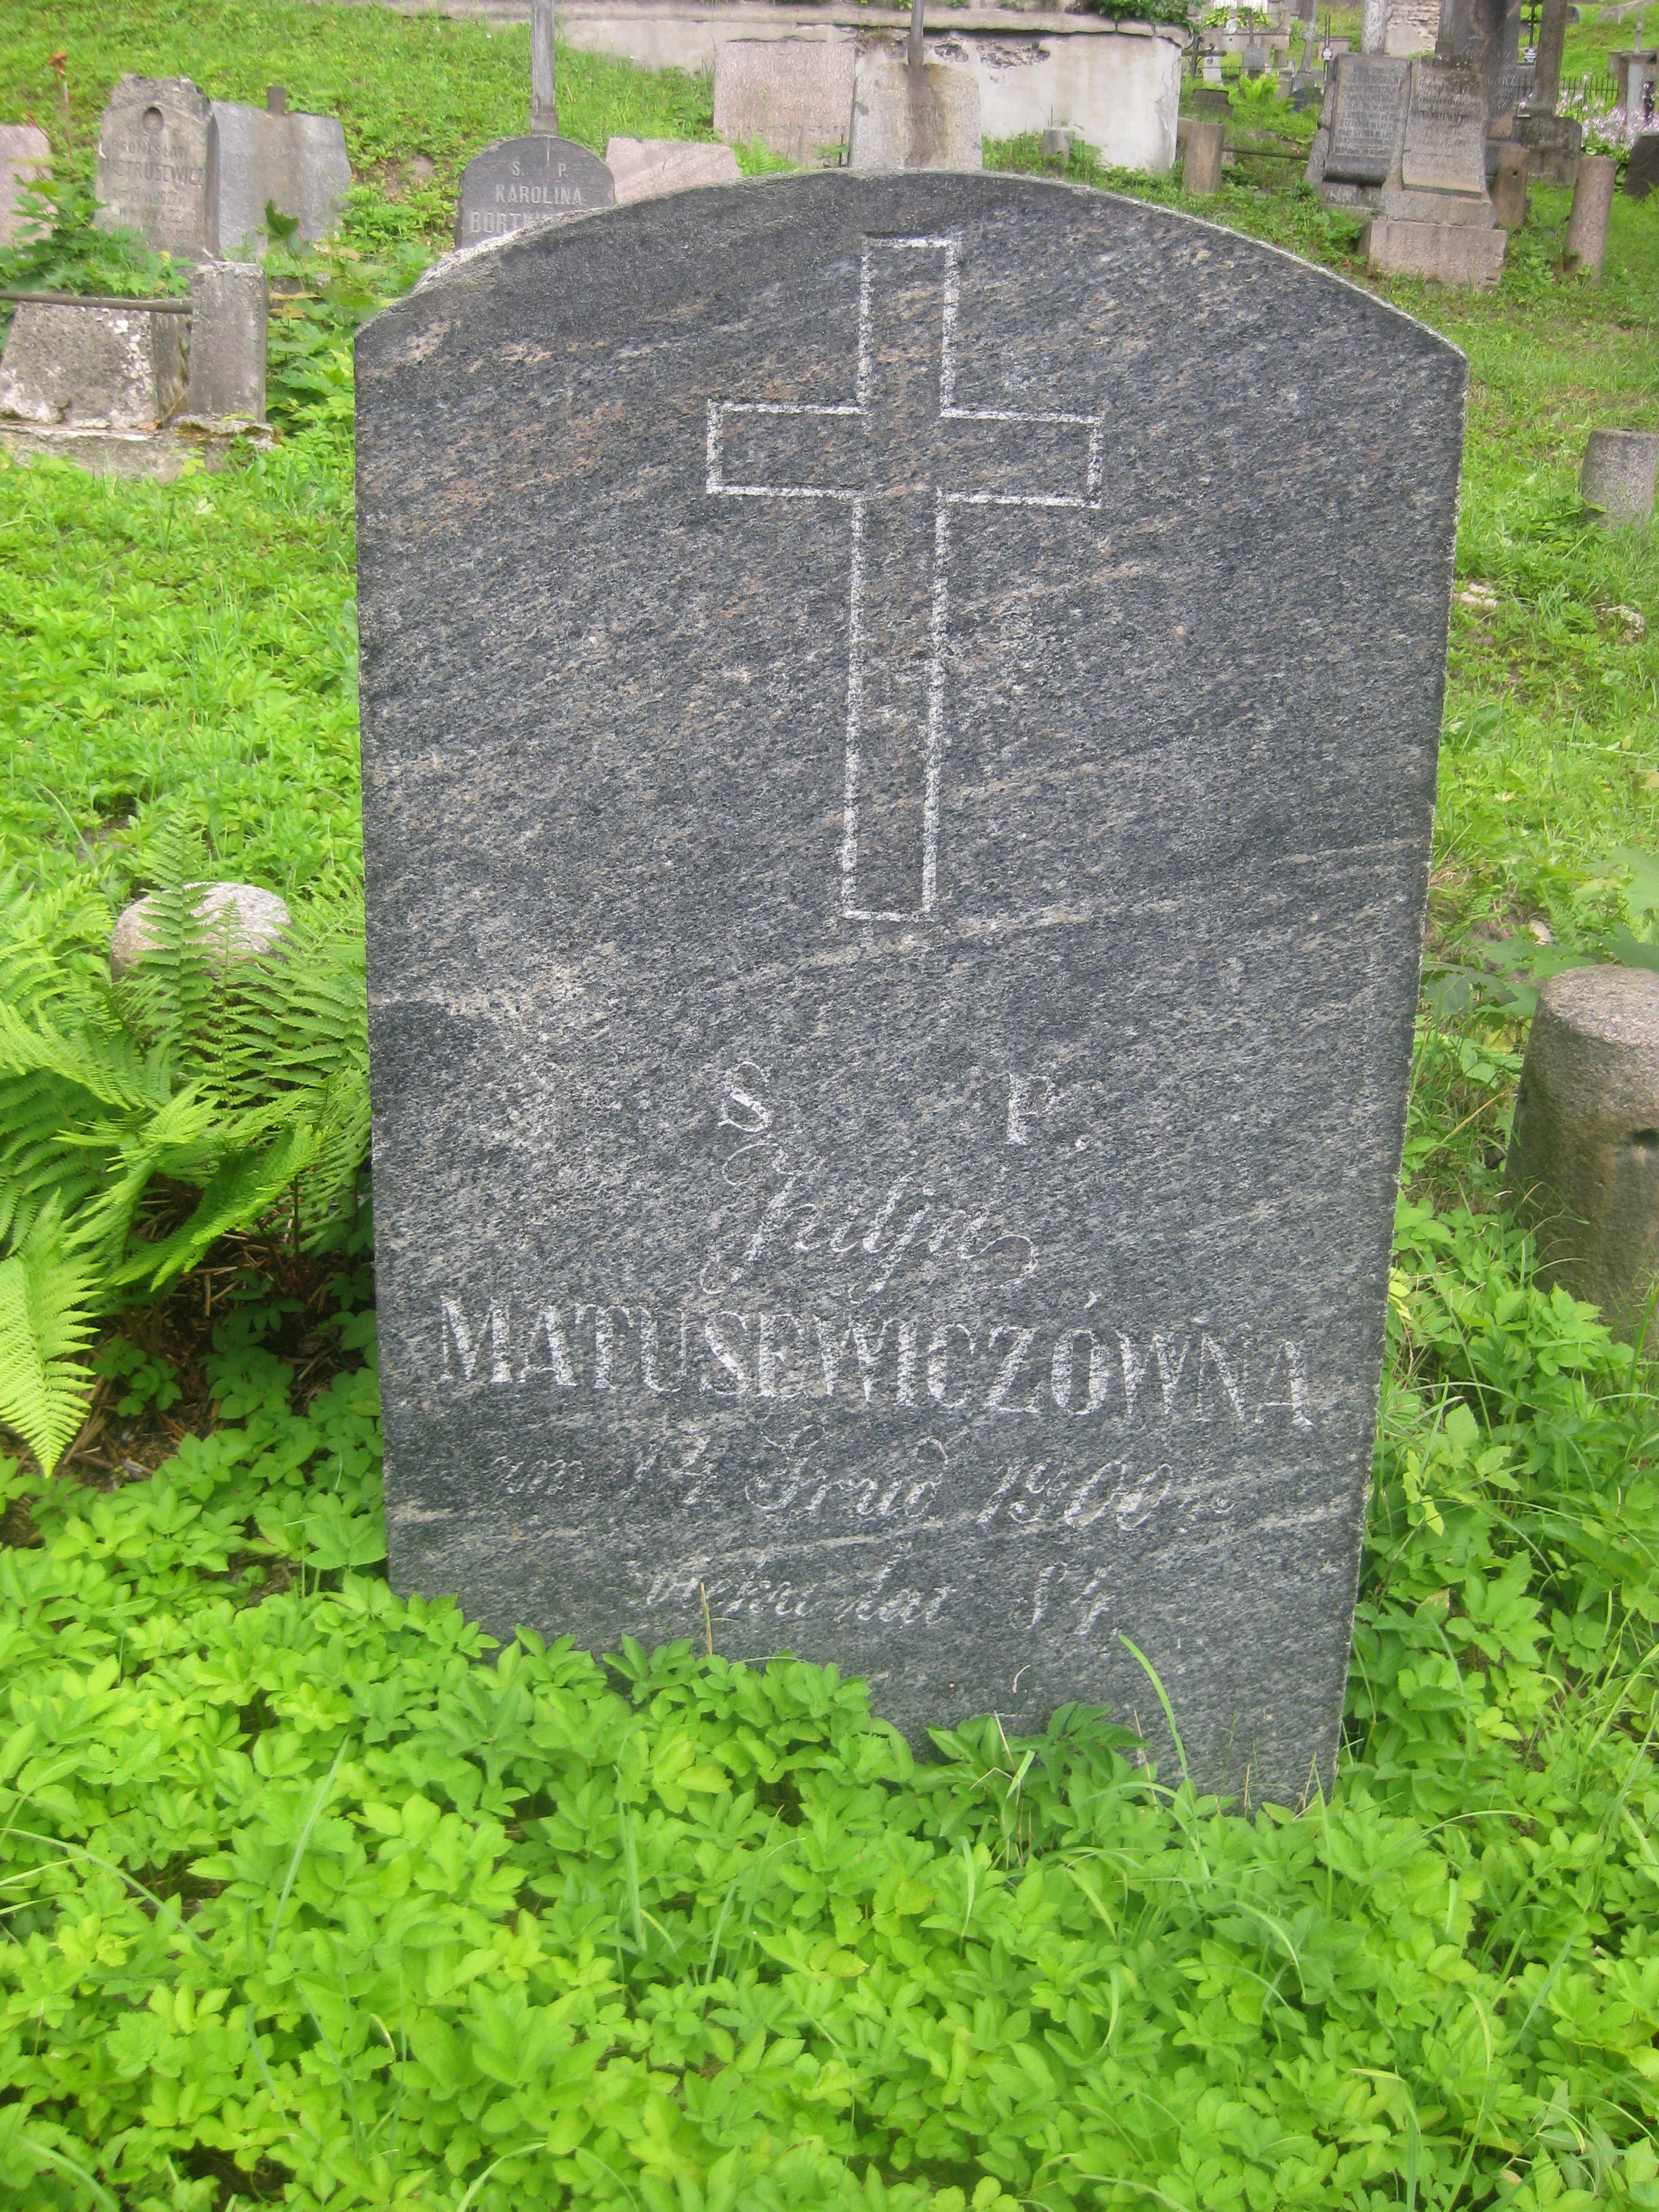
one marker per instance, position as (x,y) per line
(25,161)
(1354,147)
(519,181)
(158,166)
(899,734)
(794,96)
(297,162)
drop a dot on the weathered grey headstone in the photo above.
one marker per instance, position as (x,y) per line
(1583,1163)
(890,1004)
(104,369)
(1618,473)
(520,181)
(1642,170)
(25,160)
(229,317)
(296,162)
(1354,145)
(158,166)
(645,169)
(914,119)
(1205,142)
(794,96)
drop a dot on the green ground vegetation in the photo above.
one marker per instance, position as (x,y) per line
(310,1896)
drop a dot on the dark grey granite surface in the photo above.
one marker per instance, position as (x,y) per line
(899,732)
(1365,100)
(519,181)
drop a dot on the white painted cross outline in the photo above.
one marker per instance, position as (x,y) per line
(720,409)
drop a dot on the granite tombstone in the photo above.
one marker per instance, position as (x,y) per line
(899,736)
(520,181)
(158,166)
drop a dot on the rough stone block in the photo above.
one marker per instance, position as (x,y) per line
(1205,142)
(239,922)
(1642,170)
(646,168)
(794,96)
(1586,244)
(905,118)
(1554,144)
(1468,255)
(1619,472)
(108,368)
(1583,1163)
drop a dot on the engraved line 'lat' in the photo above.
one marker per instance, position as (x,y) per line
(841,486)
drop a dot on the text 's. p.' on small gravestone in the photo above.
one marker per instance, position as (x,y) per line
(158,166)
(543,178)
(900,724)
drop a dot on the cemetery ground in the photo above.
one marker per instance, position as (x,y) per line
(310,1896)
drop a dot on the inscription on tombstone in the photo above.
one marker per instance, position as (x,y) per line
(1364,117)
(890,1014)
(158,166)
(1443,148)
(519,181)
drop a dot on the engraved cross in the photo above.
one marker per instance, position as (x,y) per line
(900,455)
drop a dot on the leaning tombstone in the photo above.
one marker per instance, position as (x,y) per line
(1583,1160)
(645,169)
(158,166)
(1641,169)
(25,161)
(1434,216)
(793,95)
(269,156)
(229,312)
(1617,474)
(541,178)
(911,118)
(885,1144)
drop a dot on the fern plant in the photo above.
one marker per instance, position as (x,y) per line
(140,1121)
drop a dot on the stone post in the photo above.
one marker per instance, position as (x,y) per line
(229,308)
(275,99)
(1583,1164)
(543,106)
(1374,26)
(1204,141)
(1587,225)
(1546,70)
(1619,473)
(1508,185)
(915,51)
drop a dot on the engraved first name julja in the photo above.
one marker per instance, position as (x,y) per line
(893,939)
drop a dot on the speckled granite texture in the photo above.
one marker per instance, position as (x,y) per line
(899,747)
